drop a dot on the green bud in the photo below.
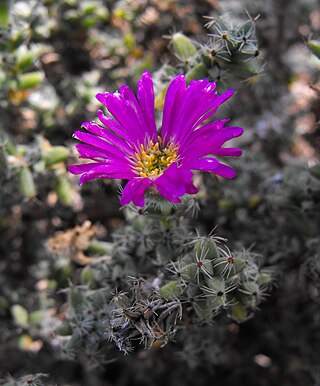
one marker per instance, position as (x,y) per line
(197,72)
(315,171)
(314,46)
(251,287)
(55,154)
(203,308)
(183,46)
(19,314)
(88,8)
(129,41)
(171,290)
(26,182)
(208,267)
(64,190)
(216,283)
(239,265)
(89,21)
(52,284)
(17,38)
(4,14)
(207,246)
(87,277)
(30,80)
(189,272)
(239,312)
(10,147)
(249,299)
(102,14)
(36,317)
(25,58)
(265,278)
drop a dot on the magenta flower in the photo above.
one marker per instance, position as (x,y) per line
(129,146)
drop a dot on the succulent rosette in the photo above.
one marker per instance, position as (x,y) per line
(128,145)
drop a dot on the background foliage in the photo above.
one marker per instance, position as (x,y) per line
(55,56)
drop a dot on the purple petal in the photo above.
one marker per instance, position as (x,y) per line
(108,135)
(208,143)
(91,152)
(174,97)
(93,140)
(114,126)
(175,182)
(146,101)
(186,110)
(95,170)
(82,168)
(216,103)
(207,129)
(212,165)
(228,152)
(134,191)
(125,113)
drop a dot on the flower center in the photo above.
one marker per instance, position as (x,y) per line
(153,159)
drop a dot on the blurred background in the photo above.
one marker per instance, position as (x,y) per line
(54,57)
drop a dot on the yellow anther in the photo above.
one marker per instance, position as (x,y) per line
(153,159)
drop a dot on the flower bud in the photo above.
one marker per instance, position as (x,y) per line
(64,191)
(87,277)
(55,154)
(26,181)
(171,290)
(207,245)
(4,14)
(19,314)
(25,58)
(189,272)
(196,73)
(239,312)
(30,80)
(183,46)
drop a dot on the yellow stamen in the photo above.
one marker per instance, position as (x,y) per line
(153,159)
